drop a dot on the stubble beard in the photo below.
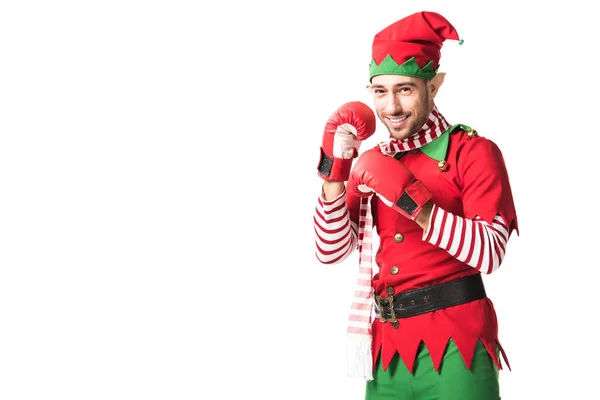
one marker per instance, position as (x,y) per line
(408,131)
(413,127)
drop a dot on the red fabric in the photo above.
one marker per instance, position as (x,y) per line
(486,188)
(472,164)
(419,35)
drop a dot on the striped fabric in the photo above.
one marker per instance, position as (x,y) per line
(431,130)
(359,357)
(474,242)
(335,235)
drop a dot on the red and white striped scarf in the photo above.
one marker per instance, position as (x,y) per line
(436,125)
(360,359)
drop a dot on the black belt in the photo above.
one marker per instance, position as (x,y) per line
(430,298)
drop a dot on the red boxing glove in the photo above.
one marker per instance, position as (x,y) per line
(346,128)
(395,184)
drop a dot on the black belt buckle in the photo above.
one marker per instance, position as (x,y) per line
(385,306)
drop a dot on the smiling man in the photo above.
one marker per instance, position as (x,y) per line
(422,326)
(404,103)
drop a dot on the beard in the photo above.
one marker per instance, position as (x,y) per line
(413,126)
(413,123)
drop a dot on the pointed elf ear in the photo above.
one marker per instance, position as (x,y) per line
(436,82)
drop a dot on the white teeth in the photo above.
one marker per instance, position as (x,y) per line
(395,121)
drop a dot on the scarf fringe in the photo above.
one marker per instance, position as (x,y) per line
(359,352)
(360,358)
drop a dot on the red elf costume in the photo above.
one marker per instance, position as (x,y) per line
(421,326)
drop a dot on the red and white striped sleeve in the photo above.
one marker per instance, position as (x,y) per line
(473,241)
(335,234)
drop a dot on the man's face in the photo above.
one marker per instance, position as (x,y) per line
(402,103)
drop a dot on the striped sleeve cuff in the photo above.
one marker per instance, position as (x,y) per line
(475,242)
(335,234)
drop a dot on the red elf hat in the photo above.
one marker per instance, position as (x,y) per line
(411,46)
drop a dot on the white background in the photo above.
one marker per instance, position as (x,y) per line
(157,187)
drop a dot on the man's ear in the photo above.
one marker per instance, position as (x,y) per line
(436,82)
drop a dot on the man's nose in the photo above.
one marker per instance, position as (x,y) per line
(393,105)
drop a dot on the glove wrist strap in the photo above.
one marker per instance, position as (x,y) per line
(412,200)
(334,169)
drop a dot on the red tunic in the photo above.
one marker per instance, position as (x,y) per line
(476,183)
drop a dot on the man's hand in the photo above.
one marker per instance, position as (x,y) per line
(390,180)
(346,128)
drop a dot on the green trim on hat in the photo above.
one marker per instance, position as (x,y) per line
(409,68)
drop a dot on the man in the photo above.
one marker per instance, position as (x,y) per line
(441,201)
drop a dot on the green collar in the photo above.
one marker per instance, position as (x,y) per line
(438,149)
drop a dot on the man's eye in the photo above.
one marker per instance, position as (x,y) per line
(378,91)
